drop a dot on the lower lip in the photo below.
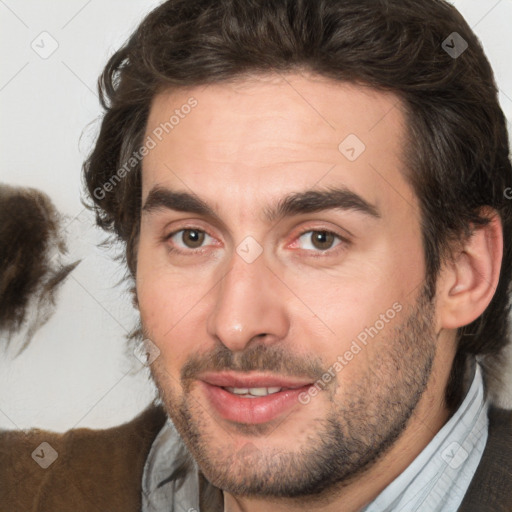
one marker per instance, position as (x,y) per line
(253,411)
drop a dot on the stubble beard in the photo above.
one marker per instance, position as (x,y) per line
(345,443)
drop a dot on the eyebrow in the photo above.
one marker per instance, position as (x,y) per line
(308,201)
(311,201)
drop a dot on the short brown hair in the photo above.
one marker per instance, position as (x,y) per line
(457,150)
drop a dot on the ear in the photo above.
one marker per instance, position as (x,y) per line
(469,280)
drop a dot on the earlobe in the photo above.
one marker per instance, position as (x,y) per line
(469,280)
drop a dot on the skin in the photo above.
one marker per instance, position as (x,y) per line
(296,308)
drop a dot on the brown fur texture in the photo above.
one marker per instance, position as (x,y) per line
(95,471)
(31,242)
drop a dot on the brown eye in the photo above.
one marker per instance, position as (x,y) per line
(192,238)
(319,241)
(322,240)
(189,241)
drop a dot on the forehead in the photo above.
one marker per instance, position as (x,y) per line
(267,135)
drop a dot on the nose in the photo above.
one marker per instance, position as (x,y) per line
(250,305)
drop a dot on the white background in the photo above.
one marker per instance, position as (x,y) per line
(77,372)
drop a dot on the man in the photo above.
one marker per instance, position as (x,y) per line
(312,198)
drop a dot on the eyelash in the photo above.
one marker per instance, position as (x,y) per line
(172,249)
(343,242)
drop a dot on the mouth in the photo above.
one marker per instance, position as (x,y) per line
(252,398)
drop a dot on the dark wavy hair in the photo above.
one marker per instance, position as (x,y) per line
(31,236)
(457,151)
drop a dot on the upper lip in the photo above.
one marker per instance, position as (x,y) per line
(229,379)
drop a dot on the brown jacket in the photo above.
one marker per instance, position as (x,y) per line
(101,470)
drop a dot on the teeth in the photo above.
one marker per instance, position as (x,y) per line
(259,391)
(239,391)
(253,392)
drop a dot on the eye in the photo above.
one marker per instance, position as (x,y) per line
(189,238)
(319,240)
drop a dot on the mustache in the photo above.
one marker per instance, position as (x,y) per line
(259,358)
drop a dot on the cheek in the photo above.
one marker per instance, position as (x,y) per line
(352,315)
(173,314)
(342,305)
(160,317)
(161,296)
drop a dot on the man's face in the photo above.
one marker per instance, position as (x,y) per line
(272,258)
